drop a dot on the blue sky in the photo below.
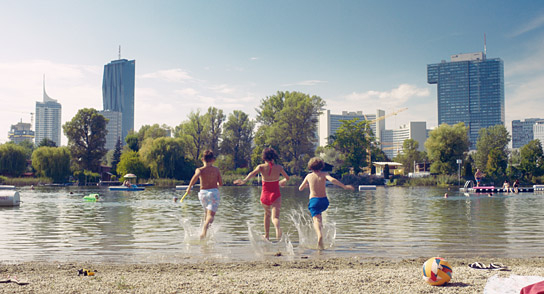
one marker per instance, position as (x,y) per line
(356,55)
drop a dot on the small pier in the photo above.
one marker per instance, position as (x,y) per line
(498,190)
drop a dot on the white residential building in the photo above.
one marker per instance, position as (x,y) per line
(329,123)
(392,140)
(48,119)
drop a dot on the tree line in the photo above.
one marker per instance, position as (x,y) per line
(285,121)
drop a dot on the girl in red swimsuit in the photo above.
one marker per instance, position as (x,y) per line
(270,195)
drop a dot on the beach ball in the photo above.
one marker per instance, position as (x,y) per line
(436,271)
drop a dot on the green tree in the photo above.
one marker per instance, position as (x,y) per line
(288,124)
(116,156)
(214,119)
(86,134)
(166,159)
(47,142)
(237,138)
(130,163)
(532,160)
(496,165)
(28,146)
(132,141)
(409,155)
(52,162)
(12,159)
(491,138)
(445,145)
(353,138)
(193,134)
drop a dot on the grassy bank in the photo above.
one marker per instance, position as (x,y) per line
(24,181)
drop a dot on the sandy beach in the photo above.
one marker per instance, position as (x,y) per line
(303,275)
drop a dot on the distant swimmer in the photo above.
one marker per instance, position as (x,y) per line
(446,195)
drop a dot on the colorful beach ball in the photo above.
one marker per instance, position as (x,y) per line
(436,271)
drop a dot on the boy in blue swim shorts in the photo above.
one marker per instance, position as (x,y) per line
(318,196)
(210,179)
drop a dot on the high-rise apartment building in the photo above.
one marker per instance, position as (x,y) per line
(470,90)
(393,140)
(114,127)
(48,119)
(328,123)
(21,132)
(538,131)
(118,92)
(522,131)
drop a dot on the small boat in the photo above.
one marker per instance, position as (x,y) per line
(125,188)
(10,198)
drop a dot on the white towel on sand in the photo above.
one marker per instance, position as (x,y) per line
(512,284)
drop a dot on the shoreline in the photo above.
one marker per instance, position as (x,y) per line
(302,275)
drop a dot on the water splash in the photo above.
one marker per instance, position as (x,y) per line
(263,246)
(306,232)
(192,232)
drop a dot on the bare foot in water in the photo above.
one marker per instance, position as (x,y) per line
(320,243)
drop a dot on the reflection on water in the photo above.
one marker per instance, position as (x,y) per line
(52,224)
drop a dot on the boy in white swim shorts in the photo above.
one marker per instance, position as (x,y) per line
(210,179)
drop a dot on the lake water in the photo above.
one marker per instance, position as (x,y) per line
(53,225)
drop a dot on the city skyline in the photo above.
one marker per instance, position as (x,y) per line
(230,55)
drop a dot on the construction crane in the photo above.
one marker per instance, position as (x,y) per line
(369,157)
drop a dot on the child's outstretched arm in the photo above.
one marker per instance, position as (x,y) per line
(285,177)
(193,180)
(219,178)
(339,184)
(304,184)
(249,176)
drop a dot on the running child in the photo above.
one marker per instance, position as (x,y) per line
(270,195)
(210,179)
(318,196)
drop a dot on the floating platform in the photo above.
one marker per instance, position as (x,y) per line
(491,189)
(7,187)
(367,187)
(125,188)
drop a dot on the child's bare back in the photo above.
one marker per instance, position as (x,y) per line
(210,176)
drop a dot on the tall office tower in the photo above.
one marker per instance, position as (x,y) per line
(538,131)
(522,131)
(21,132)
(328,123)
(114,127)
(118,92)
(48,119)
(393,140)
(470,90)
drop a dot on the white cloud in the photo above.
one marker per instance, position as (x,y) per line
(187,92)
(393,98)
(223,89)
(174,75)
(254,58)
(535,23)
(305,83)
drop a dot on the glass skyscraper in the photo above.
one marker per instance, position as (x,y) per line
(118,92)
(470,89)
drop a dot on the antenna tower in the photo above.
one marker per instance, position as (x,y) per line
(119,51)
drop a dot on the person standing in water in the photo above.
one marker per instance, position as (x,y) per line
(210,179)
(270,195)
(319,202)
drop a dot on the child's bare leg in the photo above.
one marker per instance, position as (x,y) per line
(207,222)
(267,214)
(276,217)
(318,225)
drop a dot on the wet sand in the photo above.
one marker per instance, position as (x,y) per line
(303,275)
